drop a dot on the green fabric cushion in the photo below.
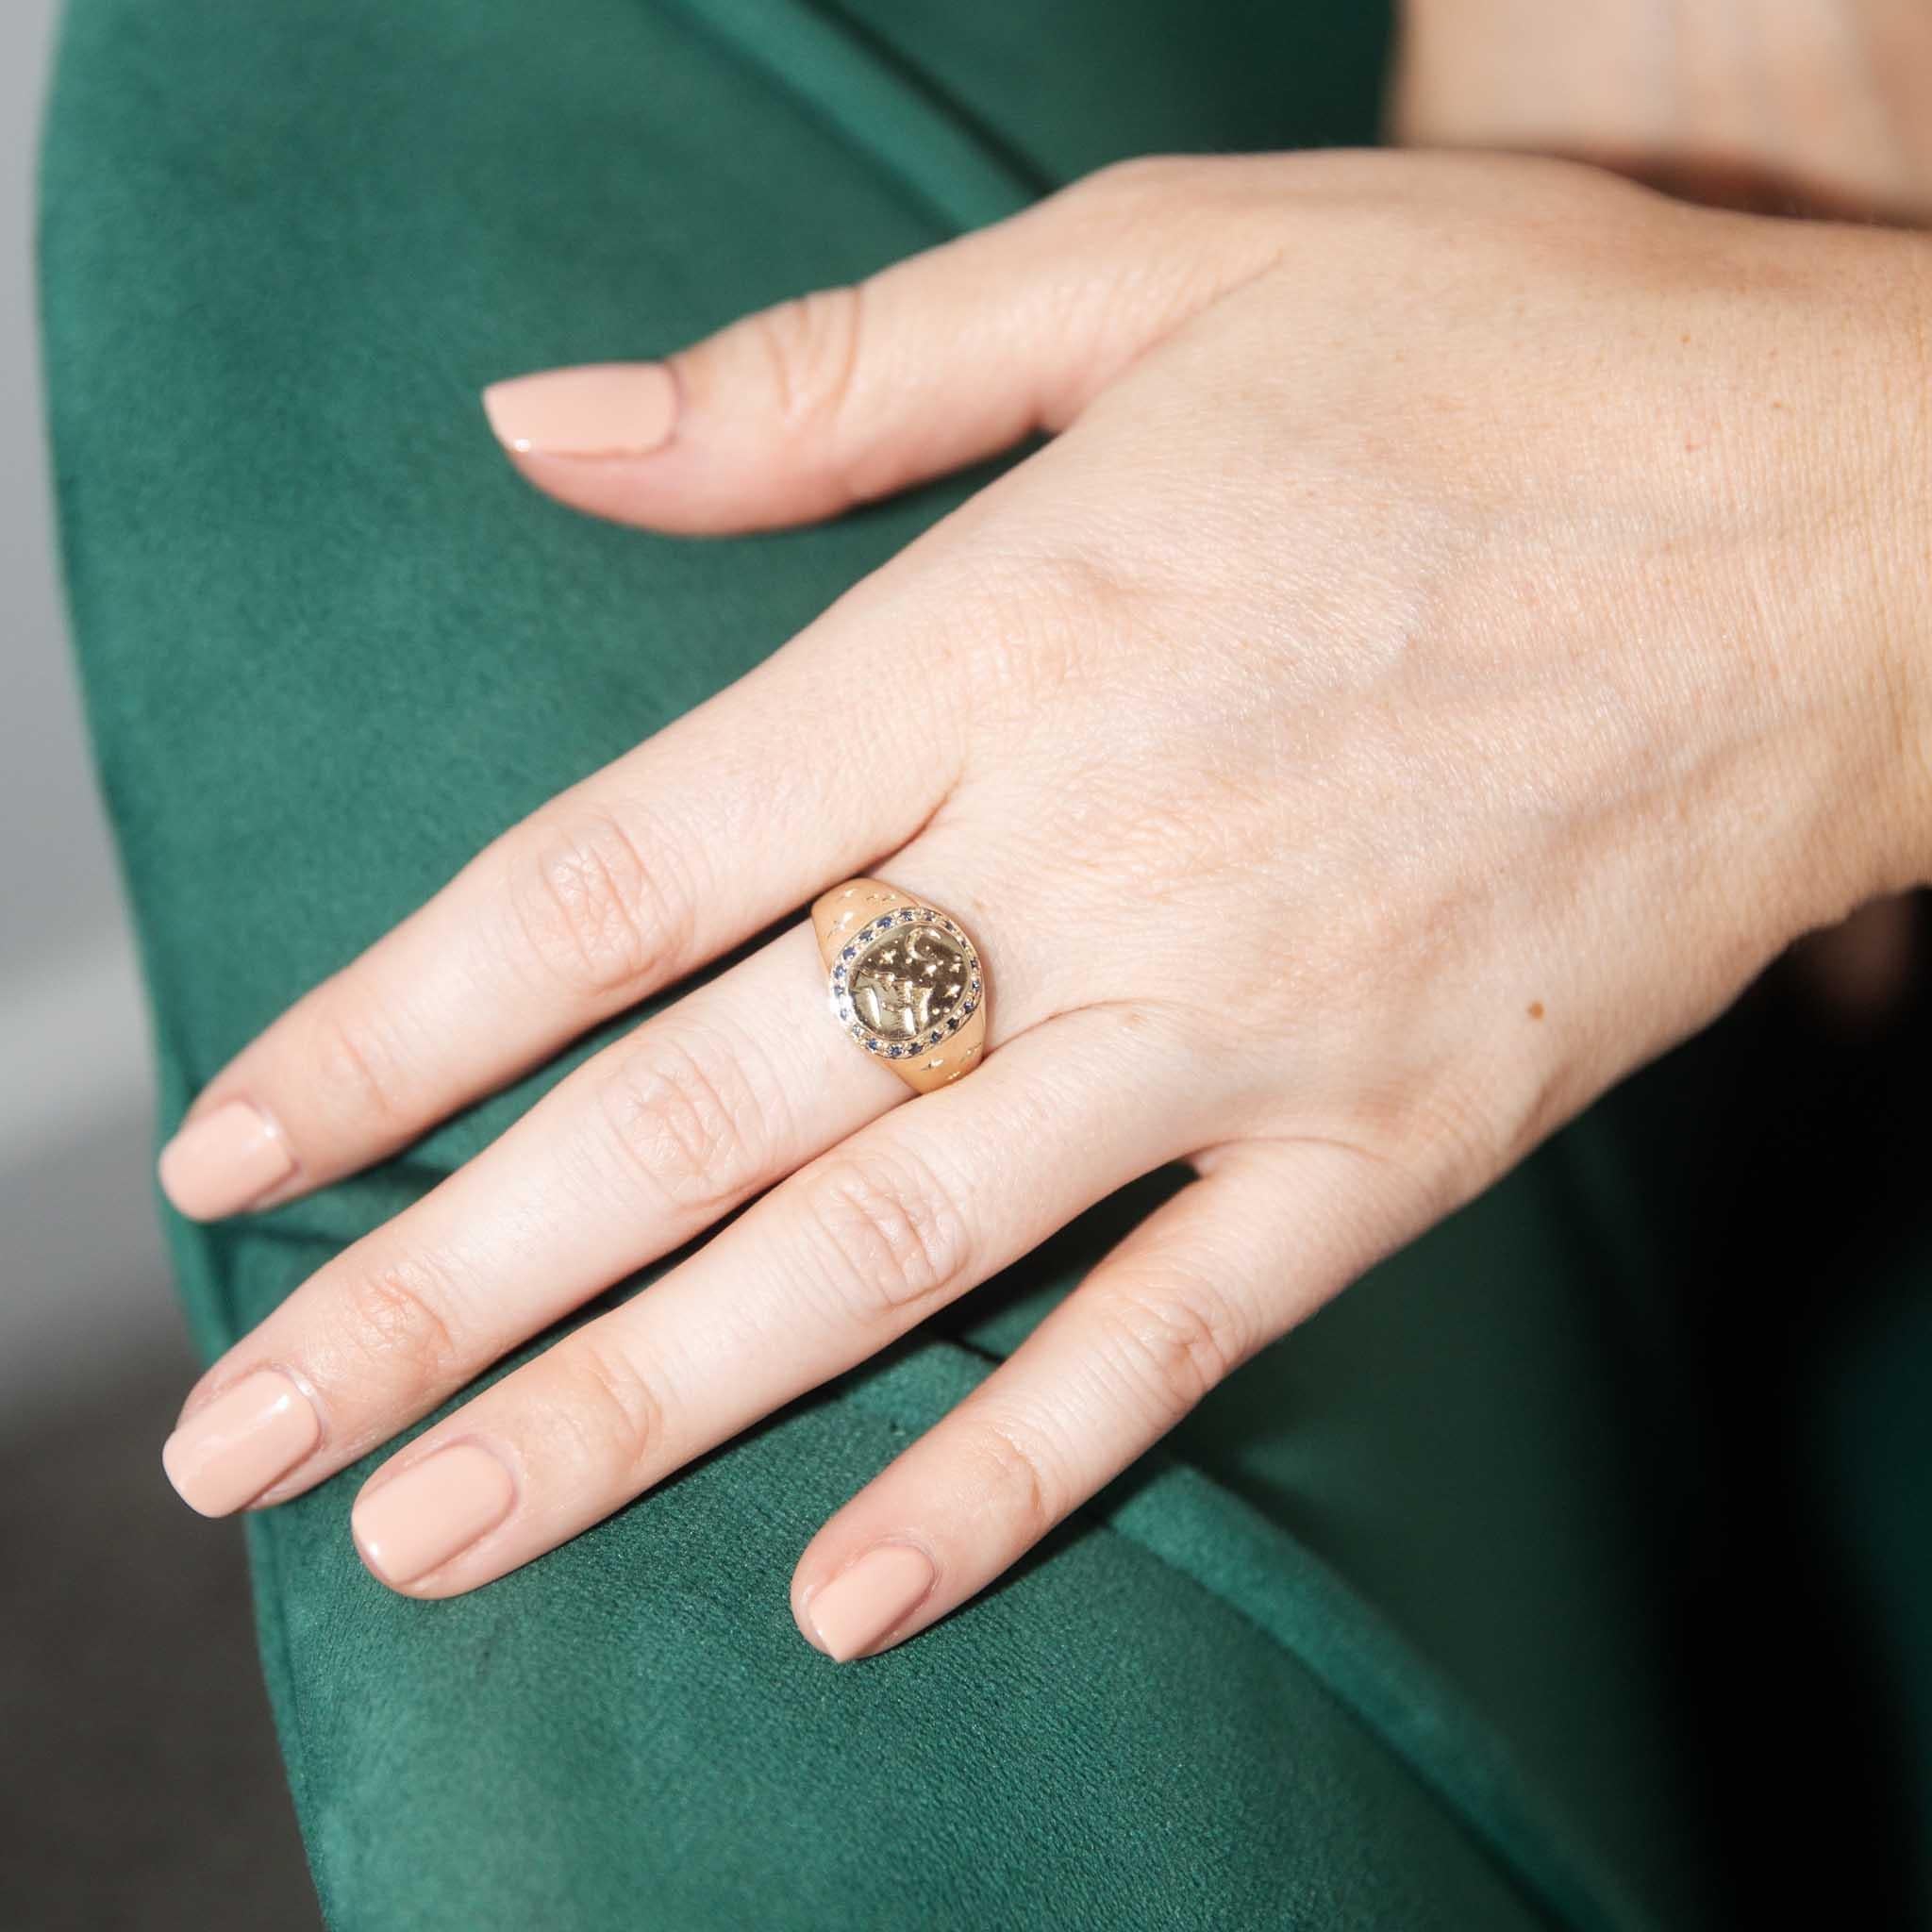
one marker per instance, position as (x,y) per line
(1375,1641)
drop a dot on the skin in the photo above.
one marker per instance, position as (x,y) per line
(1807,108)
(1790,106)
(1469,620)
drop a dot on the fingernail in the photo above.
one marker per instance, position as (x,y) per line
(231,1449)
(228,1158)
(602,409)
(407,1525)
(877,1594)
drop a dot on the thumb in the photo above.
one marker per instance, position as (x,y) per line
(800,411)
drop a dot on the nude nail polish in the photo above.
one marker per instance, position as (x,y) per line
(228,1158)
(234,1448)
(870,1599)
(436,1509)
(609,409)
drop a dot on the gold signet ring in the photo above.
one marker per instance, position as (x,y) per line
(904,982)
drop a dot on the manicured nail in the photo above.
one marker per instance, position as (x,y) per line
(407,1525)
(231,1449)
(601,409)
(877,1594)
(231,1155)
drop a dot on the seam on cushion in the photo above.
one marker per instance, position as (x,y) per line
(932,150)
(961,120)
(1541,1856)
(1402,1701)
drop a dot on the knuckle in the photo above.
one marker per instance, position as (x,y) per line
(1419,1151)
(686,1111)
(1019,1472)
(603,907)
(1172,1343)
(355,1068)
(392,1321)
(1084,591)
(1458,1140)
(812,347)
(888,1233)
(1181,194)
(1035,629)
(614,1411)
(1138,182)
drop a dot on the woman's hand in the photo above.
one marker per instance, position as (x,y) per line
(1470,619)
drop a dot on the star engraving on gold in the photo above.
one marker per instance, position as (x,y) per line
(905,984)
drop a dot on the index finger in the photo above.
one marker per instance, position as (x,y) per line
(724,820)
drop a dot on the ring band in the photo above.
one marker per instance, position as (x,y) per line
(904,980)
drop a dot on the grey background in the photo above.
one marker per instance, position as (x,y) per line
(139,1783)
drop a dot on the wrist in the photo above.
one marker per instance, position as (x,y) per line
(1787,106)
(1905,857)
(1883,553)
(1521,74)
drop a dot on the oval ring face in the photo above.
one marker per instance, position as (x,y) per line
(900,985)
